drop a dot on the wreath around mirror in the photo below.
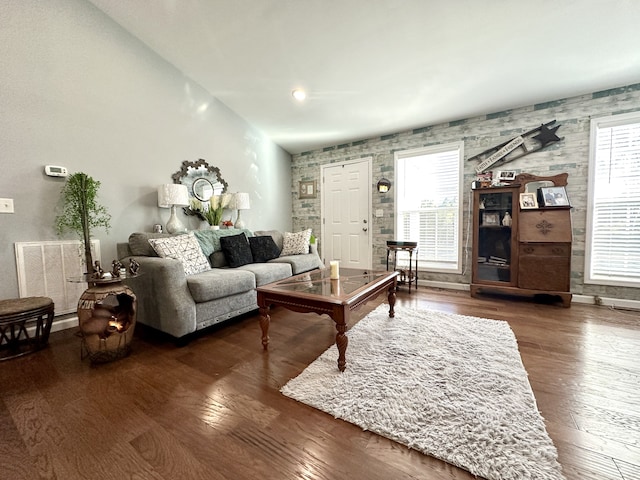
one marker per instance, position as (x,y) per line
(191,173)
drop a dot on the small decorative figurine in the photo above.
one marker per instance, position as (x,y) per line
(506,221)
(133,267)
(98,272)
(116,266)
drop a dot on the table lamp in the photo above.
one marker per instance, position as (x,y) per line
(171,195)
(241,202)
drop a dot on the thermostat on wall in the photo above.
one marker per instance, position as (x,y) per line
(54,171)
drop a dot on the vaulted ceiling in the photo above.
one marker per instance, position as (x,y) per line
(372,67)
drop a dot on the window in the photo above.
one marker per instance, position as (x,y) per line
(428,205)
(613,215)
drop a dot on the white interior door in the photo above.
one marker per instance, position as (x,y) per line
(346,213)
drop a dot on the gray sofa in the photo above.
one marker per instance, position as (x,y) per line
(179,304)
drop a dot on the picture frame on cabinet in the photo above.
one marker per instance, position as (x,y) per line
(553,197)
(490,218)
(506,175)
(528,200)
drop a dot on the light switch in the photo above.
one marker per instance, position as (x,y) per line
(6,205)
(379,213)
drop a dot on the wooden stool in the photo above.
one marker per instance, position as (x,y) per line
(406,277)
(19,315)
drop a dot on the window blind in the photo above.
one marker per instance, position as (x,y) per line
(613,242)
(428,206)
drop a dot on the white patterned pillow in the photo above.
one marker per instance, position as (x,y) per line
(184,248)
(296,243)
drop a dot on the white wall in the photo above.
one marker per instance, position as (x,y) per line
(77,90)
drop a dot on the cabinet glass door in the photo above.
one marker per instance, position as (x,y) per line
(494,236)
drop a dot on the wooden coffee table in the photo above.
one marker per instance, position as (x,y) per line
(316,292)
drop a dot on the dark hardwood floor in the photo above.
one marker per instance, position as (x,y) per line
(212,409)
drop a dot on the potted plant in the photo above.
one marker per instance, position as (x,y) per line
(217,204)
(81,212)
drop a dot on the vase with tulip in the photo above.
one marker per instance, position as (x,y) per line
(217,204)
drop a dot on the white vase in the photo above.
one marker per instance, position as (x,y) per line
(215,227)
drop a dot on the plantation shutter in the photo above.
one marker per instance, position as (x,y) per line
(614,253)
(428,204)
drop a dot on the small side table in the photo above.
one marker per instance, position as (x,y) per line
(107,318)
(17,317)
(410,276)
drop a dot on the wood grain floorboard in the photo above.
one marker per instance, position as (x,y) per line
(212,409)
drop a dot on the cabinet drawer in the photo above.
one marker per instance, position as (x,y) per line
(545,249)
(544,226)
(545,267)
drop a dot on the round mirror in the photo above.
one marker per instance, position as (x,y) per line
(202,189)
(201,179)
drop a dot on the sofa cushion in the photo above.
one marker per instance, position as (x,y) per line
(217,260)
(140,246)
(268,272)
(184,248)
(263,248)
(275,234)
(219,283)
(300,263)
(296,243)
(236,250)
(210,239)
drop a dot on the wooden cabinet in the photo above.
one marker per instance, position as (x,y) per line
(529,254)
(495,259)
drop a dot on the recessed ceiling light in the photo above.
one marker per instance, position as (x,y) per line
(299,94)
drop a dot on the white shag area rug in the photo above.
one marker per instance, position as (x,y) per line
(447,385)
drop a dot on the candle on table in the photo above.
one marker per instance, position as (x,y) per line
(335,269)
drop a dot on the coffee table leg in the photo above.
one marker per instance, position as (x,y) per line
(265,319)
(392,299)
(341,342)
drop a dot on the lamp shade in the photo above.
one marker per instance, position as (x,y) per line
(242,201)
(171,194)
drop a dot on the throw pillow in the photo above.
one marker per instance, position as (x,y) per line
(236,250)
(296,243)
(184,248)
(263,248)
(275,234)
(139,243)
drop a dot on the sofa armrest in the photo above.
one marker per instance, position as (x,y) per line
(164,300)
(123,250)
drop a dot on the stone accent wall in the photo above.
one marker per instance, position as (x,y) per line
(479,133)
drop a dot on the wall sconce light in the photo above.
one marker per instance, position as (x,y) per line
(383,185)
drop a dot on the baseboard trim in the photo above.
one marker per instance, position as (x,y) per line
(621,303)
(64,324)
(57,325)
(444,285)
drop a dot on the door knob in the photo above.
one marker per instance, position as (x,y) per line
(365,229)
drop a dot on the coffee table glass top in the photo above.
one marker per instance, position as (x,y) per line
(318,282)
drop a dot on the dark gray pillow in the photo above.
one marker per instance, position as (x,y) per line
(263,248)
(139,243)
(236,250)
(217,259)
